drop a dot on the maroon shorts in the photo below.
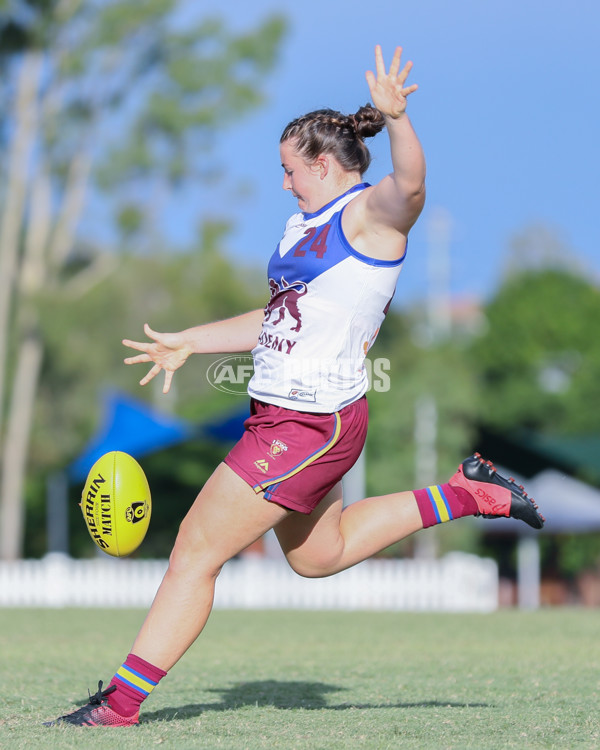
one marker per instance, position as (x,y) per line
(297,457)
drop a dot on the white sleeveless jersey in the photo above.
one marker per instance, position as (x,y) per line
(327,304)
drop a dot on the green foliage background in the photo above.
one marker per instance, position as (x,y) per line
(535,365)
(539,364)
(492,378)
(131,101)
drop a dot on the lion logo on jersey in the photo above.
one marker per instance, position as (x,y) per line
(284,298)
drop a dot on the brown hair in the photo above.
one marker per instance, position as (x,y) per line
(326,131)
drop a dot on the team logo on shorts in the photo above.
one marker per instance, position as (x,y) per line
(262,465)
(277,448)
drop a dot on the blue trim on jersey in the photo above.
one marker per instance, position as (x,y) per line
(353,189)
(359,256)
(308,264)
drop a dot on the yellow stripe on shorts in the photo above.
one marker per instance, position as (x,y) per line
(307,461)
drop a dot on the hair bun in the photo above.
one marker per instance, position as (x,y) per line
(368,121)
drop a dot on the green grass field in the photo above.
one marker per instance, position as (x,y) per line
(312,680)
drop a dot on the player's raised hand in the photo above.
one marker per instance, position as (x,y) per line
(168,351)
(388,90)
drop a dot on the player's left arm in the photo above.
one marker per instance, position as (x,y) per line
(398,199)
(170,351)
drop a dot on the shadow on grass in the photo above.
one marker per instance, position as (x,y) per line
(285,695)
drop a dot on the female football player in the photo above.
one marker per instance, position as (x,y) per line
(331,280)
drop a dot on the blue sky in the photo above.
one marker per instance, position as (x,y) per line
(507,112)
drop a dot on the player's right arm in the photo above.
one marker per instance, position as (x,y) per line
(169,351)
(378,221)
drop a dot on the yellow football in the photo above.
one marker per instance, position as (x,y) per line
(116,504)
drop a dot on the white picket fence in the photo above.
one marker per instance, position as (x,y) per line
(455,583)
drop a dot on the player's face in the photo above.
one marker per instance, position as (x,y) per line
(301,179)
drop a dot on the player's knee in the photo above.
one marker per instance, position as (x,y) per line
(189,563)
(192,552)
(312,567)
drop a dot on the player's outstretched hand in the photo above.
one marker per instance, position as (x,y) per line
(168,351)
(388,91)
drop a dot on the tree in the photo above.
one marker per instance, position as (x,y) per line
(539,361)
(113,84)
(440,373)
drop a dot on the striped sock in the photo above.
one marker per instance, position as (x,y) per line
(135,679)
(441,503)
